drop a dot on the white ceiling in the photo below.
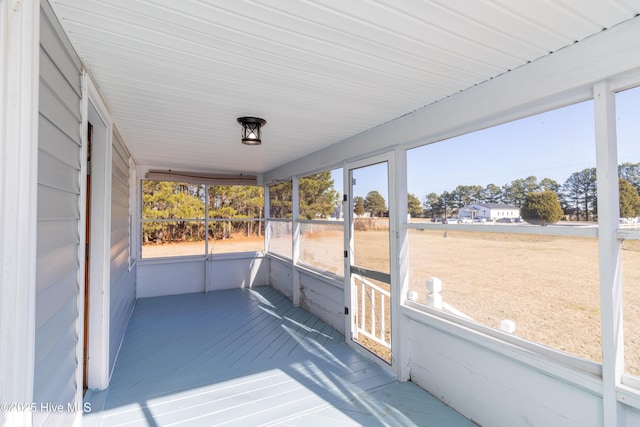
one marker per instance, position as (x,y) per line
(177,73)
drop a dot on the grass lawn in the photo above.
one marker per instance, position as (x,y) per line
(547,285)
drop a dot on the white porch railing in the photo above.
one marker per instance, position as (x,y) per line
(434,299)
(373,310)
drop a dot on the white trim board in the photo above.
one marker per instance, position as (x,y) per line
(96,112)
(19,95)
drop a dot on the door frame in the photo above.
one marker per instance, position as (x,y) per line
(390,159)
(95,111)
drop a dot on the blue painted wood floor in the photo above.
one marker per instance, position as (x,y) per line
(248,357)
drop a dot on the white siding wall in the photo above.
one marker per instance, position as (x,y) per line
(323,299)
(494,389)
(166,276)
(236,271)
(630,417)
(170,277)
(281,276)
(122,278)
(57,262)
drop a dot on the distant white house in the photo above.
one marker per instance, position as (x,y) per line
(488,211)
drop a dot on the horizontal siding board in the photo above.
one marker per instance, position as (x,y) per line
(119,193)
(63,89)
(170,278)
(120,214)
(60,332)
(122,306)
(56,234)
(119,230)
(124,294)
(61,385)
(60,50)
(119,203)
(119,256)
(119,278)
(122,303)
(119,238)
(481,383)
(123,281)
(281,276)
(324,300)
(234,273)
(120,186)
(53,298)
(120,159)
(57,264)
(57,204)
(54,110)
(52,266)
(120,176)
(54,173)
(57,144)
(120,183)
(120,172)
(120,198)
(119,264)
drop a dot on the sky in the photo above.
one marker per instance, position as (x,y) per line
(549,145)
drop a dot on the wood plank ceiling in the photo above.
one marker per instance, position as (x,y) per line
(177,74)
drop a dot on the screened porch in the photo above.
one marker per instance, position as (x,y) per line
(248,357)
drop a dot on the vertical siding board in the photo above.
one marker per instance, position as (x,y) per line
(57,287)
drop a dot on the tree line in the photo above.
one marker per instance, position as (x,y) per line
(174,211)
(577,194)
(170,208)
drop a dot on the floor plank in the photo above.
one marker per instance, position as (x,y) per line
(248,357)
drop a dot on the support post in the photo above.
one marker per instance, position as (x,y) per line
(295,241)
(609,249)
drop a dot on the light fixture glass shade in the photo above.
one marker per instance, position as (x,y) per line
(251,133)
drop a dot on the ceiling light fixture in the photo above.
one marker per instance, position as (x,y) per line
(251,130)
